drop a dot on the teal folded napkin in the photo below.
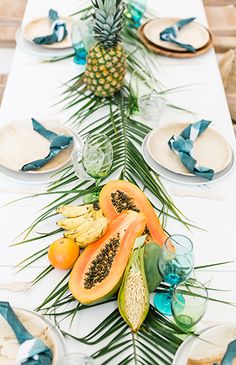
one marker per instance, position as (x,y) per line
(182,145)
(230,354)
(58,27)
(58,143)
(170,34)
(32,351)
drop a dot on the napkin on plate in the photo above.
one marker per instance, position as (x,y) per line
(58,27)
(182,145)
(58,143)
(32,351)
(169,34)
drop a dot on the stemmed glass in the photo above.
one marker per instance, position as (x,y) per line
(82,39)
(76,359)
(134,12)
(189,303)
(94,161)
(175,265)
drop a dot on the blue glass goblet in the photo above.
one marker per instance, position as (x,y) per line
(175,265)
(82,39)
(134,12)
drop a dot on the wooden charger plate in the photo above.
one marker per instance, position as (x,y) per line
(38,327)
(42,27)
(169,53)
(193,33)
(20,144)
(210,149)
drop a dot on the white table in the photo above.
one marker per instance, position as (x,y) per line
(33,88)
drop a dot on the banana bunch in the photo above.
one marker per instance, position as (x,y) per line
(84,223)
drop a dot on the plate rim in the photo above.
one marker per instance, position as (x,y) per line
(46,46)
(230,150)
(175,19)
(38,51)
(193,338)
(189,180)
(45,172)
(56,332)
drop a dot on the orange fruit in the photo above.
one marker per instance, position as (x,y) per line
(63,253)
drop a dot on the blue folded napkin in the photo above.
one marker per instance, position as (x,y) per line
(58,143)
(230,354)
(169,34)
(32,351)
(182,145)
(58,27)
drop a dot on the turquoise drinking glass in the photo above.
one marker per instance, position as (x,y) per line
(82,39)
(189,303)
(175,265)
(134,12)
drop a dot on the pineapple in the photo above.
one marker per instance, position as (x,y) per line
(106,60)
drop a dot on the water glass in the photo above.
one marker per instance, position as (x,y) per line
(189,303)
(135,11)
(97,156)
(151,107)
(76,359)
(175,264)
(82,39)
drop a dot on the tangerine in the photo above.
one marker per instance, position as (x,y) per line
(63,253)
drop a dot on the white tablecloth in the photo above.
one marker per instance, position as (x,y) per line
(33,87)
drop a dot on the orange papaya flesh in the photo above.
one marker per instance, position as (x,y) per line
(119,195)
(98,271)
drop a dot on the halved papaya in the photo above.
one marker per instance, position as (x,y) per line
(98,271)
(119,195)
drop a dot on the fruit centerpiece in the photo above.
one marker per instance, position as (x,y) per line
(106,61)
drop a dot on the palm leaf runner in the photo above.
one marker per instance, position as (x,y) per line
(158,338)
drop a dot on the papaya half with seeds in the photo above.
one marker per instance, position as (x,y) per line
(97,273)
(119,195)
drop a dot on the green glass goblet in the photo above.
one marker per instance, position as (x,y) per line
(97,159)
(189,303)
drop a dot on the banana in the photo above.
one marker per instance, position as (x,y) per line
(71,223)
(97,230)
(83,228)
(72,211)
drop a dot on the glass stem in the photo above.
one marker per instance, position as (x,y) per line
(97,182)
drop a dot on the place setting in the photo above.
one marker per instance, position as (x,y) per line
(191,154)
(32,152)
(47,36)
(173,37)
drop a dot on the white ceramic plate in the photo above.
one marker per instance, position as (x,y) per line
(33,177)
(36,50)
(41,27)
(37,326)
(217,337)
(193,33)
(178,178)
(210,149)
(20,144)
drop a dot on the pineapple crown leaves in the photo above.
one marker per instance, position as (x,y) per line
(107,21)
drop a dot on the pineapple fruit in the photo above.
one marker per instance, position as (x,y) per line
(106,60)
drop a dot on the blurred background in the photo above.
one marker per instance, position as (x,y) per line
(221,16)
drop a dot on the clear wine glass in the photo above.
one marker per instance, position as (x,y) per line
(175,265)
(189,303)
(76,359)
